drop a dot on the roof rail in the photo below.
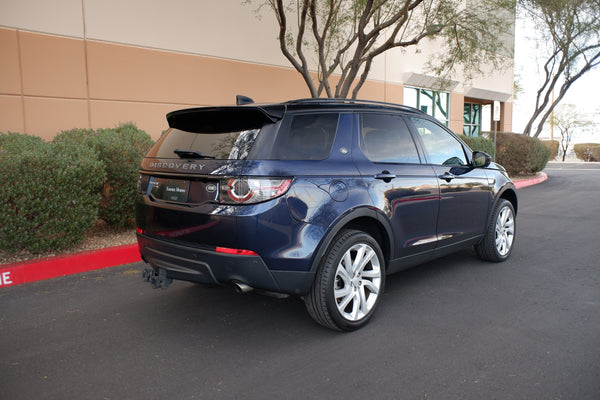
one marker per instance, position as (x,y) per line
(355,101)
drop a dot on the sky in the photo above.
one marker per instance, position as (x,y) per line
(528,72)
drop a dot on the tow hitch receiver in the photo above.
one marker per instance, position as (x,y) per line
(157,280)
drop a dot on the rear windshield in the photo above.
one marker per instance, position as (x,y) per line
(296,137)
(220,146)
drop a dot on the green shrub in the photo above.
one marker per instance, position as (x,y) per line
(13,143)
(120,150)
(521,154)
(48,193)
(553,146)
(587,151)
(479,144)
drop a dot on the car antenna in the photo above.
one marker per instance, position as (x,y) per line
(241,100)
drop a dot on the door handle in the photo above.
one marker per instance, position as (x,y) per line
(447,176)
(385,176)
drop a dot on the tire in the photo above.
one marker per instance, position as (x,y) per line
(499,238)
(345,294)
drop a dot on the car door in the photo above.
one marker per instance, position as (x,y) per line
(405,189)
(465,191)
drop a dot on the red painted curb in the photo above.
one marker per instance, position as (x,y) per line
(52,267)
(528,182)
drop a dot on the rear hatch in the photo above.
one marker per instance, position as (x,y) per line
(183,176)
(203,145)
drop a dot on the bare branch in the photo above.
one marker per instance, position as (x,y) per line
(301,68)
(347,35)
(572,27)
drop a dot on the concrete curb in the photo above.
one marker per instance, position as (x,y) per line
(542,177)
(53,267)
(74,263)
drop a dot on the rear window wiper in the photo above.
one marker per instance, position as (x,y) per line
(191,154)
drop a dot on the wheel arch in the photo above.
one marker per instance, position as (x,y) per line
(364,219)
(489,248)
(509,194)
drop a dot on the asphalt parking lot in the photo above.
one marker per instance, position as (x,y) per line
(455,328)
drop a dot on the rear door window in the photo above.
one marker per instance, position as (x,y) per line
(385,138)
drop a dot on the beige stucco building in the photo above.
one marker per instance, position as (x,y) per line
(94,63)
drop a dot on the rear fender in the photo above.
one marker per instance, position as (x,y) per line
(354,219)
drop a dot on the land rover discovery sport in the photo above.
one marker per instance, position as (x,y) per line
(319,198)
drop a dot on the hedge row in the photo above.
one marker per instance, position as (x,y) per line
(51,193)
(587,151)
(518,154)
(121,151)
(521,154)
(480,144)
(553,146)
(48,197)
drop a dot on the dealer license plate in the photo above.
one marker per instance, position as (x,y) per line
(170,189)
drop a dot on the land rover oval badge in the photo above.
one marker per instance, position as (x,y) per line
(211,188)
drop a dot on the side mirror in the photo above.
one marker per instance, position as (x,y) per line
(481,159)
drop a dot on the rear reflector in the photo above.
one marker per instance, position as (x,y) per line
(239,252)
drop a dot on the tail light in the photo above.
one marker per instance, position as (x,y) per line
(142,184)
(252,190)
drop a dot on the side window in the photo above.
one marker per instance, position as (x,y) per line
(306,137)
(386,138)
(442,148)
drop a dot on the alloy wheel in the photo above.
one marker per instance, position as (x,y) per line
(505,231)
(357,282)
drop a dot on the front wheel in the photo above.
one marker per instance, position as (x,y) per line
(499,238)
(349,282)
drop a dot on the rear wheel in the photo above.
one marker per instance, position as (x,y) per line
(349,282)
(497,244)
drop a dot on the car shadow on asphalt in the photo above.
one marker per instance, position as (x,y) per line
(218,310)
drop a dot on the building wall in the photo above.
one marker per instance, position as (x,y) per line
(94,63)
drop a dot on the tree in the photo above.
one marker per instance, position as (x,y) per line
(345,36)
(571,30)
(567,120)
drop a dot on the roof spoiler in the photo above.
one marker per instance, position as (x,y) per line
(224,119)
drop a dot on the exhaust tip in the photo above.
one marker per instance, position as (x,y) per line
(241,287)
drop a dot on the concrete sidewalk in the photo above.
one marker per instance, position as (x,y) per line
(572,164)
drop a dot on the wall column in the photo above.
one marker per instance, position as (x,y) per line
(457,110)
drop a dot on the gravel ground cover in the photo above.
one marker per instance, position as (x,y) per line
(98,237)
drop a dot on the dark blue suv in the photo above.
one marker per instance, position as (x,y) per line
(319,198)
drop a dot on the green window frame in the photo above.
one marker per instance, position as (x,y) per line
(472,119)
(431,102)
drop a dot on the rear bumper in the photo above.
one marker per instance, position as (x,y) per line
(194,264)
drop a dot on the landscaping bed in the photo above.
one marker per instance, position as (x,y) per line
(99,236)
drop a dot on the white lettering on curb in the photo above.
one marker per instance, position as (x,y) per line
(5,279)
